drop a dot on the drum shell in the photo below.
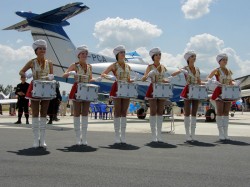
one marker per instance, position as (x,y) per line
(44,89)
(127,90)
(198,92)
(87,92)
(162,90)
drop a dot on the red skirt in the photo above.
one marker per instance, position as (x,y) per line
(216,93)
(149,93)
(184,93)
(28,94)
(72,94)
(114,89)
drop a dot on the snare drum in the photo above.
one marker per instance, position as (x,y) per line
(126,90)
(87,92)
(230,92)
(198,92)
(162,90)
(44,89)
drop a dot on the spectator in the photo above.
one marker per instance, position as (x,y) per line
(64,103)
(13,105)
(54,106)
(22,102)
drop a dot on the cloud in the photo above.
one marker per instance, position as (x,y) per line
(132,33)
(194,9)
(207,47)
(12,60)
(19,41)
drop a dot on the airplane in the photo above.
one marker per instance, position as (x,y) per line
(4,99)
(61,51)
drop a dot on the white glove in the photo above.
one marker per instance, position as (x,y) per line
(98,79)
(237,83)
(136,77)
(170,78)
(51,77)
(152,73)
(110,77)
(184,71)
(216,83)
(209,81)
(72,73)
(28,75)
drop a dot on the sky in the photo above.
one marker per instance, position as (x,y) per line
(208,27)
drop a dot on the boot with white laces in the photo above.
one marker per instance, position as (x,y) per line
(193,127)
(84,130)
(219,121)
(123,129)
(35,129)
(187,128)
(159,128)
(225,127)
(77,130)
(117,126)
(152,121)
(42,132)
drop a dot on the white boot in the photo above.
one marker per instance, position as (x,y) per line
(152,121)
(117,126)
(159,127)
(42,132)
(219,120)
(84,130)
(35,128)
(187,128)
(77,130)
(225,127)
(193,126)
(123,129)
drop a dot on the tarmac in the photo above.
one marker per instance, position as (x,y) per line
(205,162)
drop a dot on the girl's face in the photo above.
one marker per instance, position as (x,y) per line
(121,55)
(192,59)
(41,51)
(157,57)
(83,56)
(223,62)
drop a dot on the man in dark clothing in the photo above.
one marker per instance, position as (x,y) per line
(22,102)
(54,106)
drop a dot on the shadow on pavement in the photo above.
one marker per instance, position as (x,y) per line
(198,144)
(31,152)
(122,146)
(160,145)
(233,142)
(78,148)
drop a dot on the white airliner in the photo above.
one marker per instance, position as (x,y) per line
(49,26)
(4,99)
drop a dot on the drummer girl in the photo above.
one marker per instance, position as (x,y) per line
(156,72)
(41,68)
(82,72)
(223,76)
(192,76)
(121,72)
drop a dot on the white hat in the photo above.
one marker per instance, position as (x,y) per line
(189,54)
(154,51)
(81,49)
(221,56)
(39,43)
(119,49)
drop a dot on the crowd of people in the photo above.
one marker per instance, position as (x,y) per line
(42,70)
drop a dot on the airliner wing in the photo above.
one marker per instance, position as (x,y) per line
(8,101)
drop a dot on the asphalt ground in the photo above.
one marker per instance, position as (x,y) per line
(205,162)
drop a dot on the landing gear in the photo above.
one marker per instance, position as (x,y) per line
(210,115)
(141,113)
